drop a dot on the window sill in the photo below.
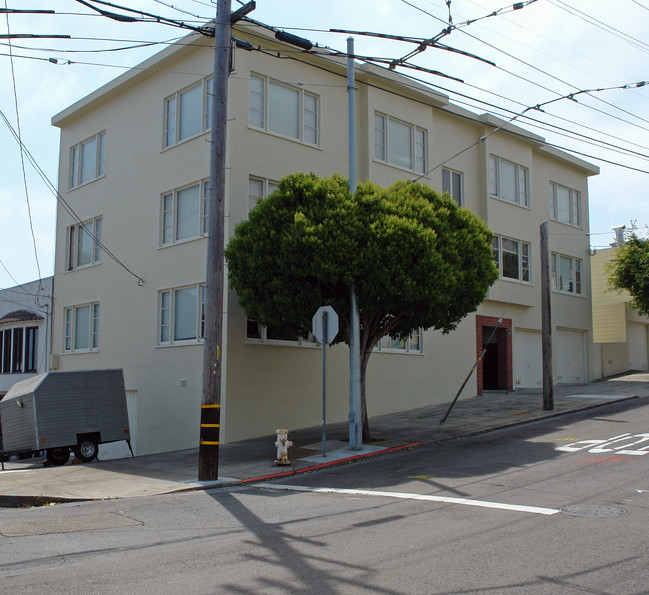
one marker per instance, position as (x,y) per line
(185,140)
(287,138)
(566,223)
(509,202)
(398,352)
(517,281)
(183,242)
(569,293)
(411,172)
(83,267)
(187,343)
(86,183)
(280,343)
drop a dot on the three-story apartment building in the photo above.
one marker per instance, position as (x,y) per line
(130,271)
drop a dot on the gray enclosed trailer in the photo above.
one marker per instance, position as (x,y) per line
(59,412)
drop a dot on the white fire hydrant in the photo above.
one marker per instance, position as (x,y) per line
(282,444)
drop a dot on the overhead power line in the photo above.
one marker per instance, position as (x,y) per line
(22,154)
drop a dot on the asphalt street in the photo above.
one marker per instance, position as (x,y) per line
(558,506)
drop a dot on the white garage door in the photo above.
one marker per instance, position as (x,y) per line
(528,359)
(636,337)
(569,361)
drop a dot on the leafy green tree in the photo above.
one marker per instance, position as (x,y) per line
(414,257)
(629,270)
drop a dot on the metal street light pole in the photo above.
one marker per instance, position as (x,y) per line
(355,414)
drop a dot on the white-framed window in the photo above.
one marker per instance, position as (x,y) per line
(188,112)
(284,110)
(566,273)
(18,350)
(509,181)
(181,315)
(512,258)
(183,213)
(258,189)
(411,344)
(83,244)
(565,204)
(453,185)
(400,144)
(88,160)
(260,333)
(81,328)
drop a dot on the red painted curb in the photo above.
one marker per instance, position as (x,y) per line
(329,464)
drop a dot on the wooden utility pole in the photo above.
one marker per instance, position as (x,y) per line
(546,321)
(208,455)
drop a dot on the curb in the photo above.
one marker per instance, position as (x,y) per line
(312,468)
(16,501)
(511,424)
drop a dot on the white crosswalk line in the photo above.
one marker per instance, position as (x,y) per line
(411,496)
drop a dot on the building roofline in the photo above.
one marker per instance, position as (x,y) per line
(365,72)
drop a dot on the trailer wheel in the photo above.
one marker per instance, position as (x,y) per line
(86,450)
(58,456)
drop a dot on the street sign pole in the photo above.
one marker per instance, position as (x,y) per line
(324,326)
(325,316)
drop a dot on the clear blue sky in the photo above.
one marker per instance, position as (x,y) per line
(545,50)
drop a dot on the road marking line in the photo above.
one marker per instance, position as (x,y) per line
(409,496)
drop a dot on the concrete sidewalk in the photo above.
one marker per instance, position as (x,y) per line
(253,460)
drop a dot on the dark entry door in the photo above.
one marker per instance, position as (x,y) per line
(490,360)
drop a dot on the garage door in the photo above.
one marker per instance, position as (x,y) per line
(636,337)
(528,359)
(569,361)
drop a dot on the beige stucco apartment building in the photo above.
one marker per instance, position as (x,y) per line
(134,165)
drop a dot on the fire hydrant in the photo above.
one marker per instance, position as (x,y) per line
(282,444)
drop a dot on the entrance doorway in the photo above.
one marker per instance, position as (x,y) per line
(490,359)
(495,368)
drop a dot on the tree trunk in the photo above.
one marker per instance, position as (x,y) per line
(366,437)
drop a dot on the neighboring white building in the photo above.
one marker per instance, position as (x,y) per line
(25,323)
(134,166)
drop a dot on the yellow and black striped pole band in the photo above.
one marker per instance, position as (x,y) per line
(210,424)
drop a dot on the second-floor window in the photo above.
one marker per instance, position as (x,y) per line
(81,328)
(181,315)
(188,112)
(452,184)
(565,204)
(284,110)
(184,213)
(84,244)
(399,143)
(87,160)
(512,258)
(509,181)
(566,273)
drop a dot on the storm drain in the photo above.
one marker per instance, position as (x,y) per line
(592,510)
